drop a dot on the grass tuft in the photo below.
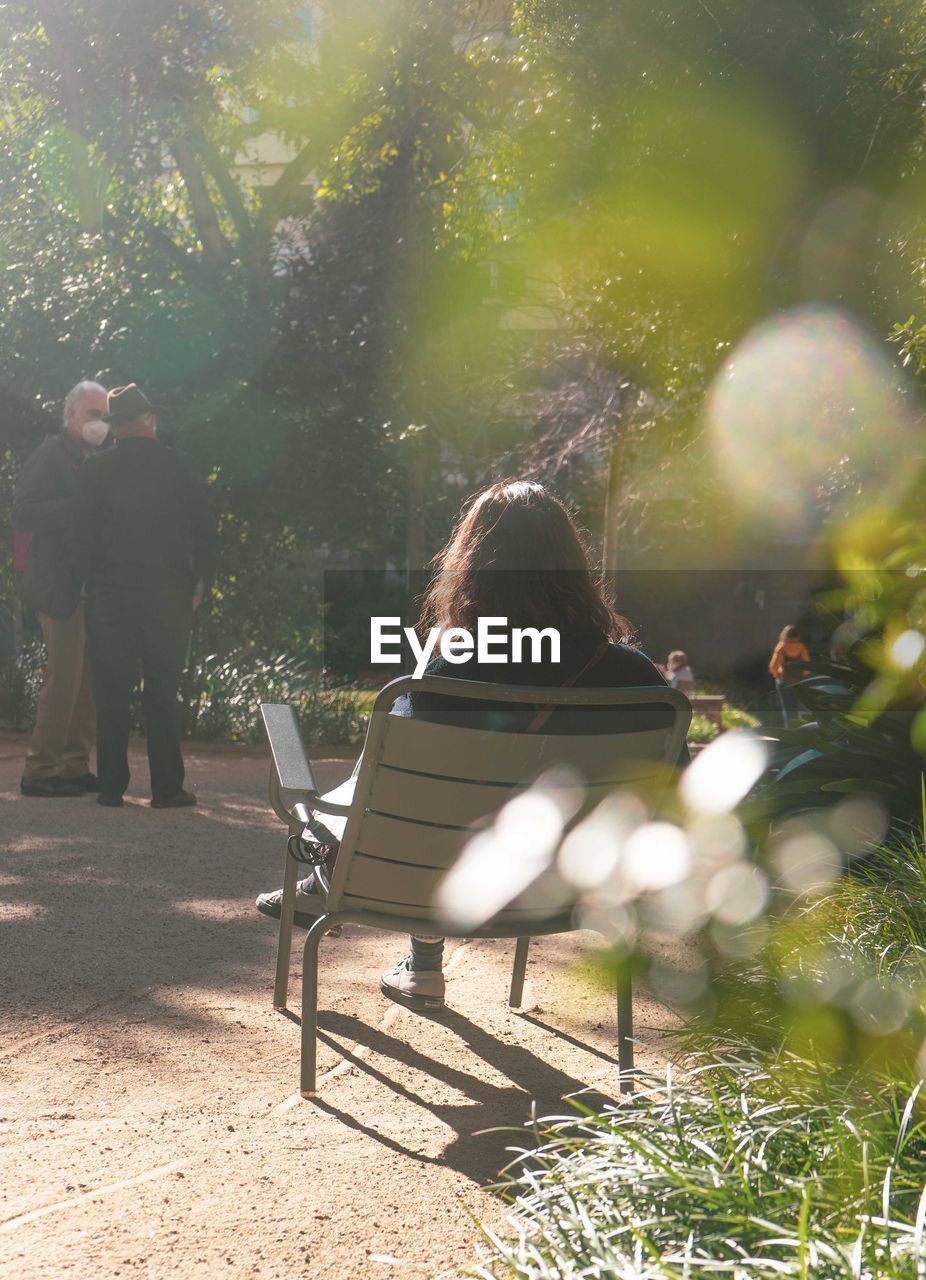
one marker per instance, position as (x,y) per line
(729,1168)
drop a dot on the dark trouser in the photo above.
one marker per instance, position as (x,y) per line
(128,630)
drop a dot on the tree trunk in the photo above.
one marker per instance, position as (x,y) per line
(63,37)
(415,536)
(612,505)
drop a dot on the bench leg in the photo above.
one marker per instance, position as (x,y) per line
(310,1007)
(625,1027)
(518,972)
(285,936)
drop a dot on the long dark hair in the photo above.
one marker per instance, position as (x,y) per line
(516,553)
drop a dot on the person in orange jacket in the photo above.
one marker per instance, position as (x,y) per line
(789,652)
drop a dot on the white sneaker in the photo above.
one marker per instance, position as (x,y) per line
(420,989)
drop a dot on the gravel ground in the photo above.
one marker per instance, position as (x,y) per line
(149,1119)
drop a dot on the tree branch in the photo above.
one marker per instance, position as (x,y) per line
(62,38)
(226,184)
(187,263)
(288,183)
(216,247)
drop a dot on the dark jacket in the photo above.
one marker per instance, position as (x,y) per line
(44,507)
(142,521)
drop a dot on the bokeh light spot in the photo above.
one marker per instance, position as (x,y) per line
(722,774)
(655,856)
(807,411)
(499,864)
(590,853)
(737,895)
(806,861)
(907,649)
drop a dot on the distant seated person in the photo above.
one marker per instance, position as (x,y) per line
(679,674)
(788,665)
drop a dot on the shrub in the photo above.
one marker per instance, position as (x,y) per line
(847,748)
(702,730)
(797,1147)
(876,917)
(20,685)
(867,706)
(737,718)
(800,1152)
(223,698)
(731,1168)
(837,972)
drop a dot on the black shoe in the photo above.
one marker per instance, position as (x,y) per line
(111,802)
(182,800)
(308,903)
(89,781)
(50,788)
(271,904)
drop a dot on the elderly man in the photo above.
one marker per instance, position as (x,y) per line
(146,538)
(58,762)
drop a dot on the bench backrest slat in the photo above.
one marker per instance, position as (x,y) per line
(399,793)
(418,843)
(424,788)
(444,750)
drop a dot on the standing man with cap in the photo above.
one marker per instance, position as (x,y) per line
(146,537)
(58,762)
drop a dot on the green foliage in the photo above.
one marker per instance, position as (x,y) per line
(881,911)
(736,718)
(843,750)
(867,729)
(295,322)
(859,949)
(267,596)
(795,1142)
(702,730)
(364,699)
(685,171)
(794,1145)
(323,332)
(320,328)
(225,695)
(221,697)
(910,337)
(751,1170)
(20,685)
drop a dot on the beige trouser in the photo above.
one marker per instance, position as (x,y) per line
(65,722)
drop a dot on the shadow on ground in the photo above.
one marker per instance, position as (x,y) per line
(150,1109)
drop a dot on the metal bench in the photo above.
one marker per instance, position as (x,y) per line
(423,790)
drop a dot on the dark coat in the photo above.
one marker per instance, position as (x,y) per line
(143,522)
(44,507)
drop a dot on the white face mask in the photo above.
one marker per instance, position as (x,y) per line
(94,432)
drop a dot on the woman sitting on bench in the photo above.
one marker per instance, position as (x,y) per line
(515,554)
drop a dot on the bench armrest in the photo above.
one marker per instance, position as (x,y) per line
(321,805)
(292,781)
(304,818)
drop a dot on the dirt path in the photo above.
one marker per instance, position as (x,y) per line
(149,1124)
